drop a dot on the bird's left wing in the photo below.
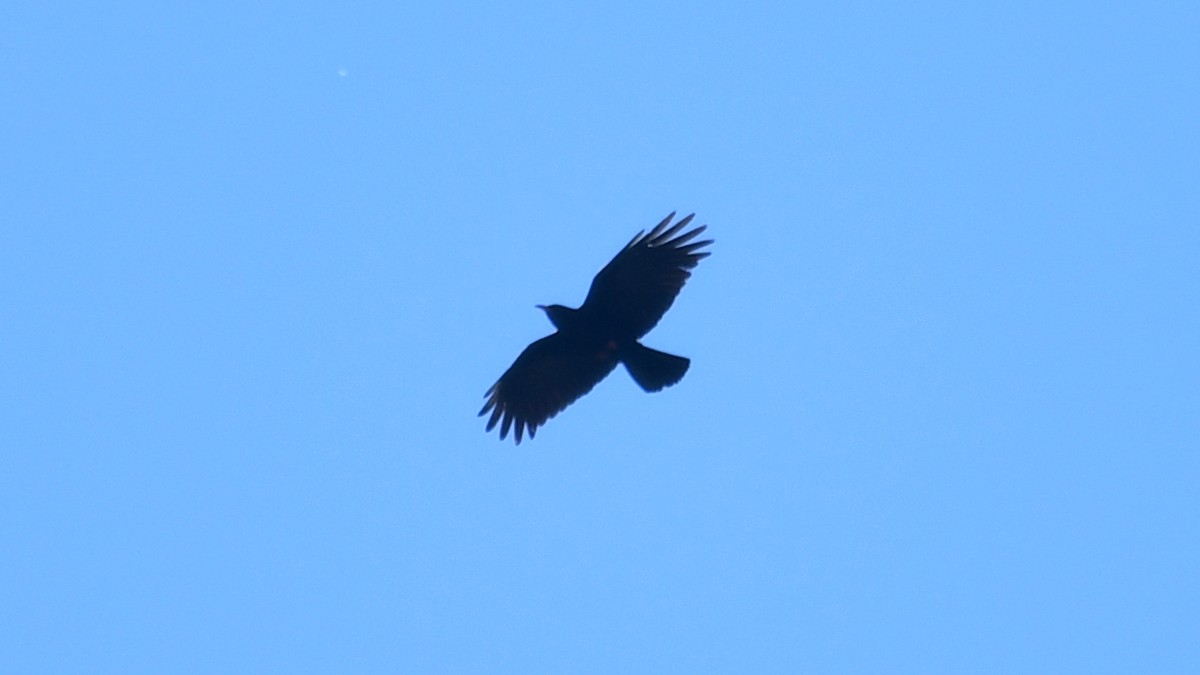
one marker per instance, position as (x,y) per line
(547,377)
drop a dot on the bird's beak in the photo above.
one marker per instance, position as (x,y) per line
(542,307)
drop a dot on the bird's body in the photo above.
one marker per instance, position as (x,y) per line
(626,300)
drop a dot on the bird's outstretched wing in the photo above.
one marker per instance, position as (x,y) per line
(547,377)
(637,287)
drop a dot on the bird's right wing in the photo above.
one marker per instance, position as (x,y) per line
(547,377)
(637,287)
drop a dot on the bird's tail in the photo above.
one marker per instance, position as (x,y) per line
(652,369)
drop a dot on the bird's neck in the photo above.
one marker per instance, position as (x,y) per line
(563,318)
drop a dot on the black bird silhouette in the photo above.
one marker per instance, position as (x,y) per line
(626,300)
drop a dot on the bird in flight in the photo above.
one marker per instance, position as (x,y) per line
(627,299)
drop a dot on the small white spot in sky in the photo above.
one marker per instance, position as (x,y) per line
(342,72)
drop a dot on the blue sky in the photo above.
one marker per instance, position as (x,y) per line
(259,264)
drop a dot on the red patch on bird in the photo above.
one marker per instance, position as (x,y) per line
(608,350)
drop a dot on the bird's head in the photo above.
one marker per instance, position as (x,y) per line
(558,315)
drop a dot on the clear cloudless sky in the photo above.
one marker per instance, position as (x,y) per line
(259,262)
